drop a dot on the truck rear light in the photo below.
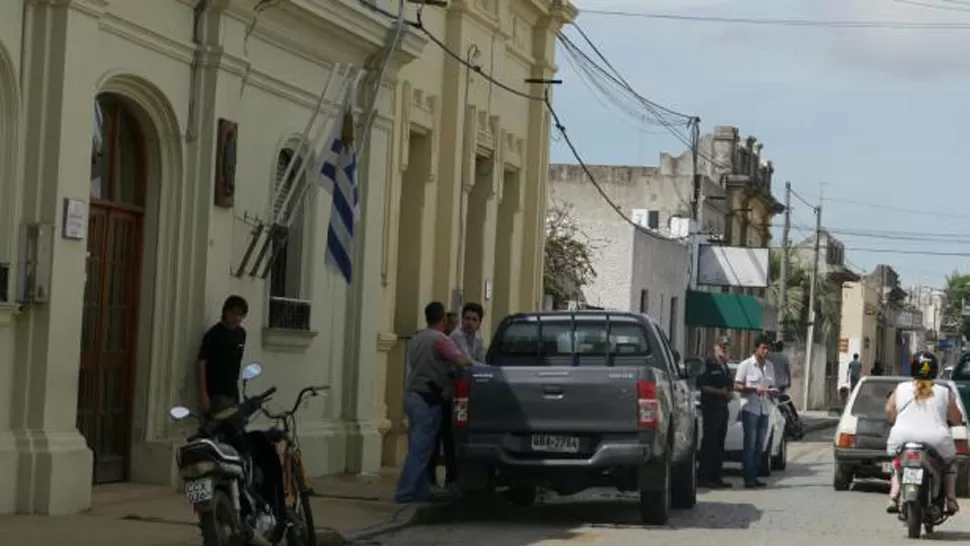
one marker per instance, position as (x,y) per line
(846,440)
(648,407)
(962,447)
(459,413)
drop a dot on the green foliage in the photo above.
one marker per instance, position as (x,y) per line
(568,258)
(828,310)
(957,292)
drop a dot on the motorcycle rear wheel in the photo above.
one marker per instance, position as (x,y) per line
(220,526)
(914,519)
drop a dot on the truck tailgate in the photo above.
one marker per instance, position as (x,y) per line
(524,399)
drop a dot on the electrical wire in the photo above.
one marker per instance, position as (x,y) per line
(896,209)
(933,6)
(557,122)
(860,24)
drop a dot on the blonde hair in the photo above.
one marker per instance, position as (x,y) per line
(924,389)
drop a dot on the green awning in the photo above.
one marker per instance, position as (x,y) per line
(719,310)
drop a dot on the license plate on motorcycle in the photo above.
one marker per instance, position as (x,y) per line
(912,476)
(198,491)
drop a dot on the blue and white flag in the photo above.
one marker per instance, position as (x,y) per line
(338,174)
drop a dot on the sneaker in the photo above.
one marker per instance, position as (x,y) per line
(892,507)
(952,507)
(757,484)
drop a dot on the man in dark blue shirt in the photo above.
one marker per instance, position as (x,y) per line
(717,389)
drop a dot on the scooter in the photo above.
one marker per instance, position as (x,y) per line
(794,427)
(922,501)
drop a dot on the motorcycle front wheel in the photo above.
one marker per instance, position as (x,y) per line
(220,526)
(914,518)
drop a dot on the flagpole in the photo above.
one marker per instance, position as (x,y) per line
(319,134)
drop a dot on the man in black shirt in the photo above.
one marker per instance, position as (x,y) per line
(220,357)
(717,389)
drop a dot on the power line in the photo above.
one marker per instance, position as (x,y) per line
(545,99)
(933,6)
(909,252)
(897,209)
(860,24)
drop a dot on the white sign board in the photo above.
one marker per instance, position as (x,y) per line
(733,266)
(75,219)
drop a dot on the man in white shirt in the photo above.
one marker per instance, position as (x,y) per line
(755,380)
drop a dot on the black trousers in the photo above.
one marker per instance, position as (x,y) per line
(446,443)
(712,444)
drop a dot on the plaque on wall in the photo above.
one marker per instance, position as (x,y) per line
(226,145)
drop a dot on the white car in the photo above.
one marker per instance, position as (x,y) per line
(860,438)
(774,452)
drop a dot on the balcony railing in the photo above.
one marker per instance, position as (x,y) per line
(289,314)
(4,282)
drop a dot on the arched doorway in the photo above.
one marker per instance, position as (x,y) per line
(110,318)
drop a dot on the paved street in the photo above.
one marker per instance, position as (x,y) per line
(799,509)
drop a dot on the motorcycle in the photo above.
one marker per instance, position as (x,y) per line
(247,487)
(923,499)
(794,427)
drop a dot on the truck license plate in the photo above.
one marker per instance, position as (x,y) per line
(887,468)
(198,491)
(912,476)
(555,444)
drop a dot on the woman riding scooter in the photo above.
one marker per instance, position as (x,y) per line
(922,411)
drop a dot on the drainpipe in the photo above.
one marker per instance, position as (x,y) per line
(191,130)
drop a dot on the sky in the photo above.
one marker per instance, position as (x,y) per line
(874,117)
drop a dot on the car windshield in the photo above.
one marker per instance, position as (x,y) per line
(563,338)
(870,401)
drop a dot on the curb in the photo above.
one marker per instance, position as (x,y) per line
(407,516)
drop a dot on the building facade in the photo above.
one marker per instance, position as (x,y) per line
(466,213)
(119,122)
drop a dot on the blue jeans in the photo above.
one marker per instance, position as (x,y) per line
(755,427)
(424,422)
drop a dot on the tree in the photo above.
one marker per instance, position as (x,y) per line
(568,257)
(957,293)
(828,310)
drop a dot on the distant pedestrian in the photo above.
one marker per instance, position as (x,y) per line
(716,386)
(434,357)
(877,369)
(782,367)
(755,380)
(854,373)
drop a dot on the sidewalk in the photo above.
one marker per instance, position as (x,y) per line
(818,420)
(345,509)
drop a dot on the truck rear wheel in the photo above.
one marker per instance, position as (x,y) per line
(655,493)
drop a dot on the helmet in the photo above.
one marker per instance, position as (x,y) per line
(924,365)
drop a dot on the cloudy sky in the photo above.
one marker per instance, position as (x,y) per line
(877,114)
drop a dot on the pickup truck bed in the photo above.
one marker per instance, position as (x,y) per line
(570,401)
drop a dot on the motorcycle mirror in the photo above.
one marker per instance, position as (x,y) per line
(252,371)
(179,412)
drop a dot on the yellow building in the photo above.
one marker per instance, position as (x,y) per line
(135,243)
(861,302)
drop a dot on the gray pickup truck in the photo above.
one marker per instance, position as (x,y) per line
(574,400)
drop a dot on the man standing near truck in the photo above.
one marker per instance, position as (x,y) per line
(755,380)
(716,386)
(434,358)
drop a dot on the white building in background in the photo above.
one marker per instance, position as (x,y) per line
(930,302)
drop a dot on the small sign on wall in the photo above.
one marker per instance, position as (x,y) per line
(74,223)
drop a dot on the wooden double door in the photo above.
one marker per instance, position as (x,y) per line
(108,338)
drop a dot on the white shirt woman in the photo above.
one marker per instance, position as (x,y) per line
(922,411)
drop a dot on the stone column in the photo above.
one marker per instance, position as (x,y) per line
(59,85)
(508,246)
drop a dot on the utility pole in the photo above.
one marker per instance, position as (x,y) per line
(697,203)
(785,257)
(810,339)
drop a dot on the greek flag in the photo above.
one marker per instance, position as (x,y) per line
(338,175)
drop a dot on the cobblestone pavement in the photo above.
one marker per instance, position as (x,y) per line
(800,508)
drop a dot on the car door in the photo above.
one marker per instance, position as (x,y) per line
(683,410)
